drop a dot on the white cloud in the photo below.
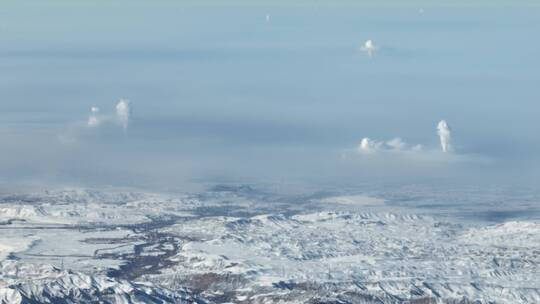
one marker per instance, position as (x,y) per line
(396,152)
(97,120)
(367,145)
(123,112)
(122,115)
(443,130)
(369,47)
(94,120)
(370,146)
(396,144)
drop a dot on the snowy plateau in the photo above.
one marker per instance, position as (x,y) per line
(237,244)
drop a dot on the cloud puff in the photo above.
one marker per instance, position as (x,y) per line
(97,120)
(443,130)
(121,117)
(370,146)
(369,47)
(94,120)
(123,112)
(400,154)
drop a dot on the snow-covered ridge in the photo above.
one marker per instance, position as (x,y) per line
(21,211)
(358,200)
(77,206)
(513,233)
(25,283)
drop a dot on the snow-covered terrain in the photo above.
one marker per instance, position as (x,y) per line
(383,256)
(25,283)
(240,245)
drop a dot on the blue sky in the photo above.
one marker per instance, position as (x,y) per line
(220,94)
